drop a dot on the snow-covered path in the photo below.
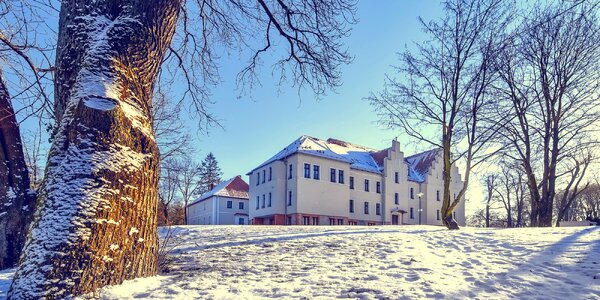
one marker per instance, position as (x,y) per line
(389,262)
(232,262)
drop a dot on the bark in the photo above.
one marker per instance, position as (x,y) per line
(17,201)
(96,220)
(447,205)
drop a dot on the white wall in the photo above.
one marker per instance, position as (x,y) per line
(214,211)
(322,197)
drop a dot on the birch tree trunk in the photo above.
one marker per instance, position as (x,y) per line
(96,220)
(16,199)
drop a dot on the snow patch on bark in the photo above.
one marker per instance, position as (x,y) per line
(97,83)
(74,195)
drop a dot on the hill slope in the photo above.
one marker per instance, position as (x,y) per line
(233,262)
(390,262)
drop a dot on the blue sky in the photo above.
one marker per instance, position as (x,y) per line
(262,122)
(259,123)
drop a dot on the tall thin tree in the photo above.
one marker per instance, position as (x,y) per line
(442,94)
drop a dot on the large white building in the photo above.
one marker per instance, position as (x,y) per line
(226,203)
(332,182)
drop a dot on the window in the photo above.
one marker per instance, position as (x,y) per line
(341,176)
(396,178)
(241,205)
(351,206)
(257,202)
(378,188)
(306,170)
(378,209)
(241,221)
(264,175)
(366,208)
(263,202)
(332,173)
(290,175)
(315,220)
(438,196)
(229,204)
(316,174)
(366,185)
(289,220)
(396,200)
(412,213)
(257,178)
(438,214)
(331,221)
(340,221)
(305,220)
(351,182)
(270,199)
(352,223)
(412,193)
(290,198)
(270,173)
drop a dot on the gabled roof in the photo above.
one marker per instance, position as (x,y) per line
(420,164)
(235,187)
(359,157)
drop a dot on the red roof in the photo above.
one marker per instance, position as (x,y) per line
(423,161)
(379,156)
(235,187)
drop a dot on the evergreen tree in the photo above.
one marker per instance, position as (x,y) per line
(210,173)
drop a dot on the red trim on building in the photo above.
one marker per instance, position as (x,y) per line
(299,219)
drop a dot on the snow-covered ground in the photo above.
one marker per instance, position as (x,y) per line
(389,262)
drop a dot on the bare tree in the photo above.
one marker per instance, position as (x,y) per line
(443,88)
(574,188)
(550,80)
(490,185)
(28,85)
(507,189)
(16,197)
(96,224)
(189,184)
(171,134)
(588,203)
(168,190)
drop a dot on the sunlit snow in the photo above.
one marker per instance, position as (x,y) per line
(323,262)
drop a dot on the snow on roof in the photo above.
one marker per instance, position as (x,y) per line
(235,187)
(420,164)
(359,157)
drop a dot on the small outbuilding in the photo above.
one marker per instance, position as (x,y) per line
(226,204)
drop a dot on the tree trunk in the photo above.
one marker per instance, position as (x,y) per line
(447,208)
(17,201)
(487,215)
(96,220)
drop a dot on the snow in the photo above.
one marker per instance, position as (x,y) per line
(387,262)
(357,156)
(239,190)
(420,164)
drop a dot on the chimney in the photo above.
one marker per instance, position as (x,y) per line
(395,145)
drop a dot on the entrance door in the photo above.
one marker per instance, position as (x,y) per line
(394,219)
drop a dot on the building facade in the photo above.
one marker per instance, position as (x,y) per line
(332,182)
(226,204)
